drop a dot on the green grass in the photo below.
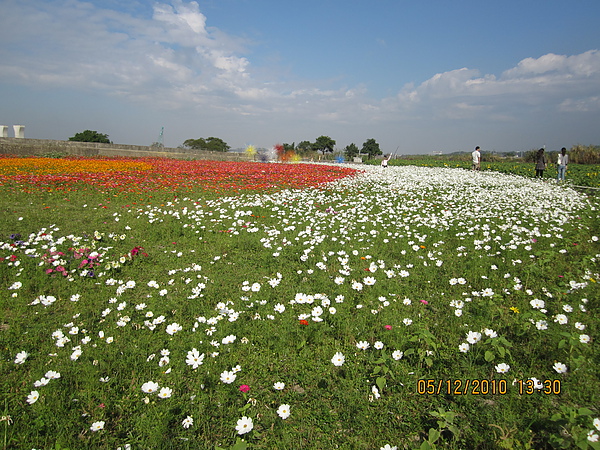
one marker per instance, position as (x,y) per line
(402,221)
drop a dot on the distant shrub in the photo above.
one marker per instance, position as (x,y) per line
(585,154)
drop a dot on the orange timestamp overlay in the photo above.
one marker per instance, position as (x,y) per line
(474,386)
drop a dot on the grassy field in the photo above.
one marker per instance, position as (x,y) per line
(252,306)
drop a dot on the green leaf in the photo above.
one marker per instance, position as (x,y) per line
(454,429)
(425,446)
(377,370)
(429,362)
(240,445)
(595,445)
(489,356)
(380,382)
(585,412)
(244,408)
(434,435)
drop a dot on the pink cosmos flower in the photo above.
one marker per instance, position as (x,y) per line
(388,327)
(425,302)
(244,388)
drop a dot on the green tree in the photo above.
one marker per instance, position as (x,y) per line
(289,147)
(324,144)
(371,147)
(90,136)
(304,145)
(351,151)
(212,144)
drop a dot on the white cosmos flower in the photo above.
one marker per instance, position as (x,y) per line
(561,319)
(228,377)
(165,392)
(283,411)
(397,355)
(33,397)
(187,422)
(149,387)
(338,359)
(97,426)
(173,328)
(363,345)
(502,368)
(357,286)
(536,303)
(369,281)
(560,367)
(194,358)
(244,425)
(21,357)
(490,333)
(473,337)
(464,347)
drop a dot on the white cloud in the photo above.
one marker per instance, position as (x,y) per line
(172,59)
(557,81)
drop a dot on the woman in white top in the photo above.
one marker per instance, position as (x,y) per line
(561,164)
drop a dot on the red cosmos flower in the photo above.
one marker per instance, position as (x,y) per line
(244,388)
(304,322)
(148,174)
(135,250)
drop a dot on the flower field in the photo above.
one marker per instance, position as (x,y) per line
(151,174)
(208,305)
(587,175)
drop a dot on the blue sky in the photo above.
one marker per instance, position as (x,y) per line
(417,76)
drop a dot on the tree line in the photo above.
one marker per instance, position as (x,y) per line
(578,154)
(323,144)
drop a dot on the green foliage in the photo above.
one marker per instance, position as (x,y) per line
(585,154)
(371,147)
(222,242)
(324,144)
(305,146)
(90,136)
(212,144)
(573,426)
(351,151)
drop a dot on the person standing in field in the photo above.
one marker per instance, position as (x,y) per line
(540,163)
(384,162)
(476,159)
(561,164)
